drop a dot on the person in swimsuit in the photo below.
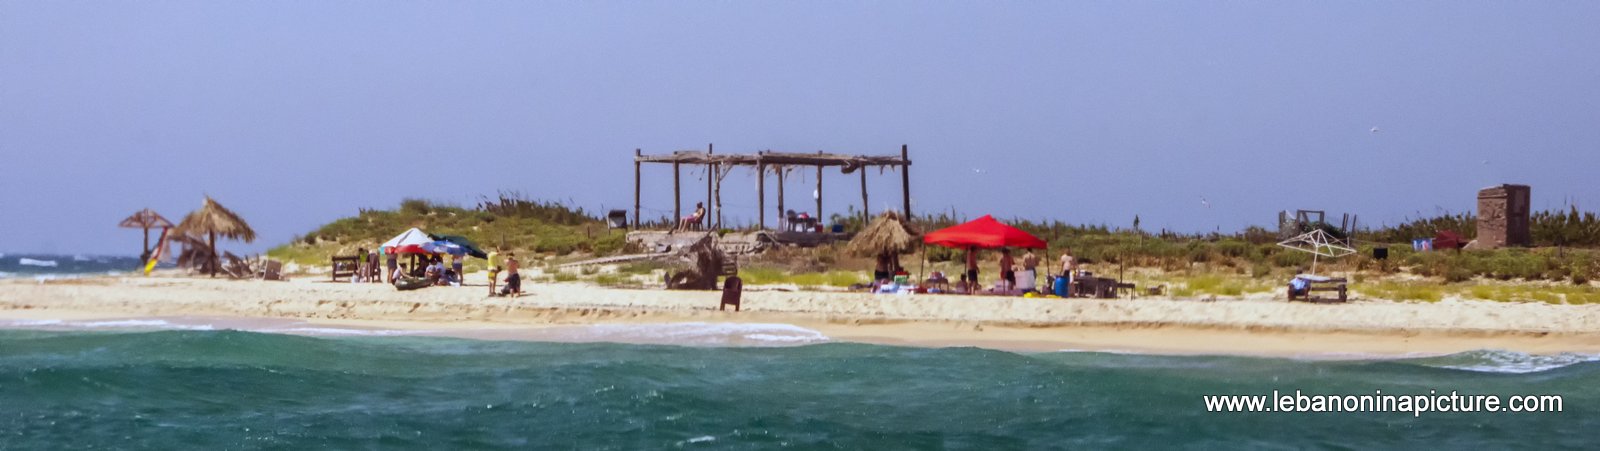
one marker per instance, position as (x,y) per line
(972,269)
(693,219)
(1008,271)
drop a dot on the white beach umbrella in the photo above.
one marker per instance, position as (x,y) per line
(1319,244)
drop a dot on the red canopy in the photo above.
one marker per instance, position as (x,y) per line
(983,232)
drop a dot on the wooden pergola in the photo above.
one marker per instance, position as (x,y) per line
(720,165)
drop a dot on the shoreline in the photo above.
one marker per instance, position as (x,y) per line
(1360,329)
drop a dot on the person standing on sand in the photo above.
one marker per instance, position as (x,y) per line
(1069,269)
(972,269)
(456,263)
(1030,263)
(513,280)
(494,270)
(393,264)
(1008,273)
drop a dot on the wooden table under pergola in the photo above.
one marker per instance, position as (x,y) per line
(721,164)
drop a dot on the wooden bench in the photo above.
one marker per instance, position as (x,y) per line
(1332,284)
(348,267)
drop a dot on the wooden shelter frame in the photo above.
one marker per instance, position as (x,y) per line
(719,165)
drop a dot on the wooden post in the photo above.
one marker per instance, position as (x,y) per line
(677,196)
(783,219)
(905,183)
(710,172)
(636,155)
(819,193)
(718,194)
(866,215)
(761,194)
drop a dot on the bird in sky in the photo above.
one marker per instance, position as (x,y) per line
(1375,130)
(1204,202)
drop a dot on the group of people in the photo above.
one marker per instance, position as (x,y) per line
(1008,269)
(434,271)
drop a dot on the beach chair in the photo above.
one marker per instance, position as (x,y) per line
(236,268)
(732,289)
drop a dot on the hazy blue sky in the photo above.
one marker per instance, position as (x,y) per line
(294,113)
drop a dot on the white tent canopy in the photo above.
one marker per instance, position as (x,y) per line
(408,242)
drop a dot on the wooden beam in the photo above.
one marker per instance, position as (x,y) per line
(819,194)
(866,215)
(718,194)
(710,171)
(783,218)
(761,197)
(905,184)
(636,154)
(677,196)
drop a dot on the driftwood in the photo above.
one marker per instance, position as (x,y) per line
(699,264)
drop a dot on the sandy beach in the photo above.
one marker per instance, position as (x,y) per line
(1247,327)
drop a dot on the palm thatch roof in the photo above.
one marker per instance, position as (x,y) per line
(212,217)
(145,219)
(886,235)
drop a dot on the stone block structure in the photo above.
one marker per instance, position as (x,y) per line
(1503,216)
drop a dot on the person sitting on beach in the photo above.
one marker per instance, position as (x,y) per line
(513,280)
(693,220)
(937,282)
(1008,273)
(880,272)
(1299,286)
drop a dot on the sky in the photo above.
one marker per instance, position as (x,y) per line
(1194,116)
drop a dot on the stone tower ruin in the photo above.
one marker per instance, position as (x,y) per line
(1503,216)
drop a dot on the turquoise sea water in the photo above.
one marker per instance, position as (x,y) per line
(231,390)
(48,266)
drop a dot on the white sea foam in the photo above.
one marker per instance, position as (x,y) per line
(40,263)
(140,323)
(701,334)
(703,438)
(114,324)
(1500,361)
(337,331)
(32,322)
(80,258)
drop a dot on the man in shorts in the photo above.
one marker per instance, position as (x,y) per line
(494,271)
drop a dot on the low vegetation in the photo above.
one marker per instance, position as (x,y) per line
(1558,269)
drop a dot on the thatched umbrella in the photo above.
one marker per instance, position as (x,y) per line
(213,220)
(886,235)
(145,219)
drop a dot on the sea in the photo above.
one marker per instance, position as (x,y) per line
(198,384)
(48,267)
